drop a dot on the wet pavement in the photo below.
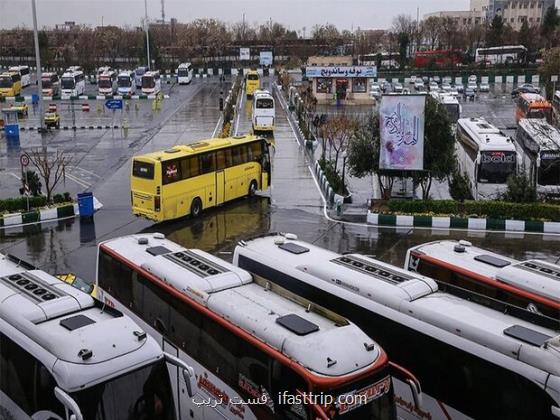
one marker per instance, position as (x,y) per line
(293,204)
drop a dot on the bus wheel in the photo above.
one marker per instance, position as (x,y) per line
(196,207)
(252,188)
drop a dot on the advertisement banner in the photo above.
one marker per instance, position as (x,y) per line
(341,71)
(266,58)
(244,53)
(401,122)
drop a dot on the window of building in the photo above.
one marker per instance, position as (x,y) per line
(538,19)
(512,20)
(324,85)
(532,5)
(359,85)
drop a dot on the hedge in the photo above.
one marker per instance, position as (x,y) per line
(488,209)
(13,205)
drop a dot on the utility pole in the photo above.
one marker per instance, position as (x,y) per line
(38,64)
(147,29)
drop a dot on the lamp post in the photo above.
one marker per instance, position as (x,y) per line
(344,156)
(38,64)
(147,28)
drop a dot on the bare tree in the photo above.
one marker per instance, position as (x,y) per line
(337,132)
(431,29)
(51,168)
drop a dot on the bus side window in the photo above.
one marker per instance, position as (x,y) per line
(219,350)
(253,379)
(155,308)
(116,278)
(207,163)
(285,379)
(184,326)
(221,160)
(255,151)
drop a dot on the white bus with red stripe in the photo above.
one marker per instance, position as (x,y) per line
(258,351)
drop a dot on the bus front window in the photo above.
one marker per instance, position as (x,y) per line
(47,84)
(495,167)
(68,83)
(105,83)
(265,103)
(142,394)
(124,82)
(549,171)
(6,82)
(148,82)
(183,73)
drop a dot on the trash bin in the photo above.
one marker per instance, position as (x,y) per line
(34,99)
(12,131)
(85,204)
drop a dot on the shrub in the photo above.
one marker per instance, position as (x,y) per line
(460,187)
(334,178)
(490,209)
(520,190)
(11,205)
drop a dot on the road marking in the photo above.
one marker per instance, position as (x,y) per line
(78,180)
(85,170)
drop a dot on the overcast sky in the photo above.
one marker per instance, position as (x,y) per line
(293,13)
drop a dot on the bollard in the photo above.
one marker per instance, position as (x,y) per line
(99,107)
(85,107)
(338,208)
(137,106)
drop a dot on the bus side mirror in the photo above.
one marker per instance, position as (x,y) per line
(555,411)
(68,402)
(187,371)
(404,375)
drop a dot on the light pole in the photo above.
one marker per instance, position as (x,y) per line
(147,29)
(38,64)
(344,156)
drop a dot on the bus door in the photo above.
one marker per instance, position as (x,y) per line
(220,187)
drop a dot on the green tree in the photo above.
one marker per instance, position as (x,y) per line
(496,32)
(439,147)
(550,67)
(404,42)
(550,23)
(520,190)
(525,37)
(460,187)
(363,155)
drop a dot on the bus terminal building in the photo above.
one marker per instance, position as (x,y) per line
(336,80)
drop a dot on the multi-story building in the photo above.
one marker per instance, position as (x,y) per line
(514,12)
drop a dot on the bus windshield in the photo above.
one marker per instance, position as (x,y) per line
(47,84)
(252,77)
(124,81)
(142,394)
(496,166)
(6,82)
(105,83)
(542,113)
(549,171)
(183,72)
(148,82)
(265,103)
(68,83)
(140,71)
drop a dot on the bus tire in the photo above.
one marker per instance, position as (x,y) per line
(252,188)
(196,207)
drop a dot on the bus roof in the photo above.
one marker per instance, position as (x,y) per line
(485,135)
(196,148)
(256,307)
(541,133)
(71,73)
(184,65)
(262,94)
(79,341)
(535,276)
(535,99)
(374,284)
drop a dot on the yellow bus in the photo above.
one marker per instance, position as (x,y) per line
(186,179)
(252,82)
(10,84)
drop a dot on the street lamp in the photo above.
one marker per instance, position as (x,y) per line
(344,156)
(38,64)
(147,29)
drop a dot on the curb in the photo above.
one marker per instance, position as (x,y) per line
(75,127)
(29,99)
(42,215)
(471,223)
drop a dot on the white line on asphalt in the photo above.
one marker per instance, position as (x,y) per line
(14,175)
(78,180)
(86,171)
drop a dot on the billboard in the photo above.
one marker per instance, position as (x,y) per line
(341,71)
(401,125)
(244,53)
(266,58)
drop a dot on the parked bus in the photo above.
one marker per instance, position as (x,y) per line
(438,58)
(73,69)
(474,361)
(250,342)
(386,59)
(184,73)
(10,84)
(139,72)
(507,54)
(188,178)
(486,155)
(450,103)
(103,69)
(67,356)
(530,285)
(252,82)
(73,84)
(126,83)
(107,83)
(540,142)
(51,84)
(151,83)
(24,74)
(263,111)
(532,105)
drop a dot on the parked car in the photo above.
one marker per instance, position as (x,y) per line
(375,85)
(398,88)
(447,80)
(525,88)
(386,87)
(460,88)
(412,80)
(419,84)
(446,87)
(484,87)
(21,108)
(433,86)
(472,86)
(436,79)
(469,94)
(472,79)
(52,119)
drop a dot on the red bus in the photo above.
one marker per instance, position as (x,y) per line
(441,58)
